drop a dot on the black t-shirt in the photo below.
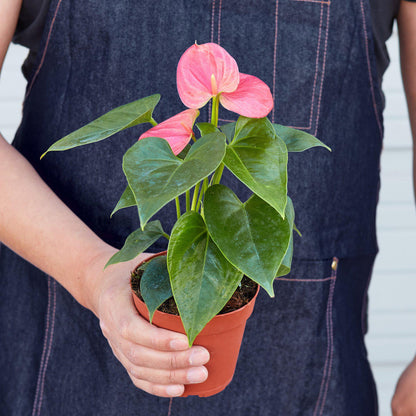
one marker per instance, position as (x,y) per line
(34,13)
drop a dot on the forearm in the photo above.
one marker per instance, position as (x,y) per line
(38,226)
(407,34)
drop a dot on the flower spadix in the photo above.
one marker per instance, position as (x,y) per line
(208,70)
(176,130)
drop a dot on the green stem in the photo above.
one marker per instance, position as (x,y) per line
(195,196)
(188,199)
(166,236)
(202,193)
(153,122)
(215,108)
(216,177)
(178,208)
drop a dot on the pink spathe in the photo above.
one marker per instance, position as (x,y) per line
(252,98)
(204,71)
(176,130)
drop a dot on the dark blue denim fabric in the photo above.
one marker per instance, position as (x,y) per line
(303,353)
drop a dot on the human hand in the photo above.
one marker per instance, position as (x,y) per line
(157,361)
(404,399)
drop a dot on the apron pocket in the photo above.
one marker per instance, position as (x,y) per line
(288,53)
(293,335)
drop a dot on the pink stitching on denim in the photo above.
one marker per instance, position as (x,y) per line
(49,348)
(369,70)
(331,295)
(318,54)
(286,279)
(330,347)
(170,406)
(212,20)
(328,2)
(45,341)
(44,52)
(323,72)
(219,21)
(276,20)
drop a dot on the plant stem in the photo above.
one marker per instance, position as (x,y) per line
(188,198)
(201,195)
(167,236)
(216,177)
(215,108)
(178,208)
(153,122)
(195,196)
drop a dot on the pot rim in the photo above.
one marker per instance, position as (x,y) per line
(239,310)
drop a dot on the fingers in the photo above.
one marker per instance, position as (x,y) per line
(169,378)
(138,331)
(146,357)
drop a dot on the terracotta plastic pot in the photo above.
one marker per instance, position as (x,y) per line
(222,337)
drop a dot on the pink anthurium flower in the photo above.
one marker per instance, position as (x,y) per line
(203,72)
(208,70)
(176,130)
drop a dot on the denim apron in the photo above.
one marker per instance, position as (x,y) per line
(303,352)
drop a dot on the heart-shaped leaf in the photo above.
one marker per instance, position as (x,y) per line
(155,284)
(137,242)
(201,277)
(156,176)
(287,259)
(297,140)
(126,200)
(118,119)
(252,236)
(259,159)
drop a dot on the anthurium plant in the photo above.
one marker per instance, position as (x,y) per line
(217,238)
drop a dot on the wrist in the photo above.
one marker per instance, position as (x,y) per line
(92,275)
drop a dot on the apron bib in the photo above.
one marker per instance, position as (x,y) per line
(303,352)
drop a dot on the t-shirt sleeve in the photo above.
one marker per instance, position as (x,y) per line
(32,20)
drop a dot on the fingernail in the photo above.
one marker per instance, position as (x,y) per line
(174,390)
(179,344)
(197,375)
(199,356)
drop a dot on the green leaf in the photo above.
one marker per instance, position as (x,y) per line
(137,242)
(126,200)
(155,284)
(206,128)
(156,176)
(229,130)
(297,140)
(202,279)
(118,119)
(252,236)
(287,259)
(259,159)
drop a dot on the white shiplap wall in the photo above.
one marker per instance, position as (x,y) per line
(392,338)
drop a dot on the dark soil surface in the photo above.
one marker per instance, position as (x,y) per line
(244,293)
